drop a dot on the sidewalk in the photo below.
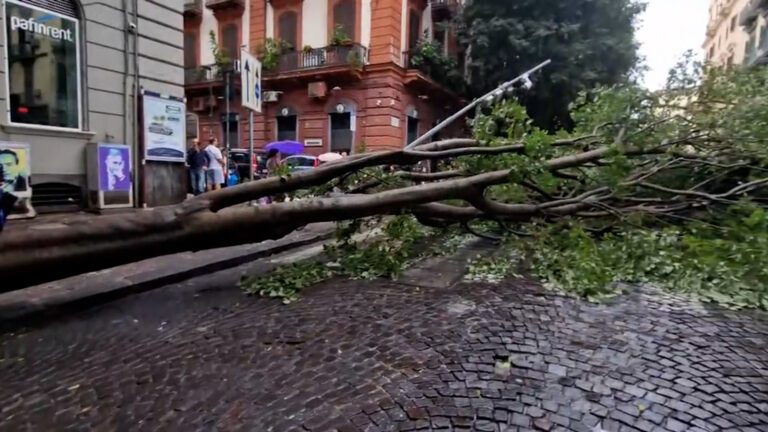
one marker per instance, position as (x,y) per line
(85,290)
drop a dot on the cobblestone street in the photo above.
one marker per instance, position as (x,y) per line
(372,356)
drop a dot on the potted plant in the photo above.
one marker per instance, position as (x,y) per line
(307,49)
(354,59)
(340,37)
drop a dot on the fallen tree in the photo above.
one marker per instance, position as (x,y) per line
(692,159)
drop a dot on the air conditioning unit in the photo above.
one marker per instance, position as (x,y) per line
(271,96)
(318,89)
(198,104)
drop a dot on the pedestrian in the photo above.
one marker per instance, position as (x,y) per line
(273,162)
(197,161)
(215,162)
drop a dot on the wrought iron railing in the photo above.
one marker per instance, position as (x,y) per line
(205,73)
(354,55)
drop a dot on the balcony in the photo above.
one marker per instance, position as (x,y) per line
(319,61)
(203,74)
(225,4)
(443,9)
(432,75)
(193,8)
(748,16)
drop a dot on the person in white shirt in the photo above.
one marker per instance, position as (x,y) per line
(215,170)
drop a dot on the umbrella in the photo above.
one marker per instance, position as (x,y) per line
(286,148)
(330,157)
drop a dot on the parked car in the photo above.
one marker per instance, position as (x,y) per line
(299,163)
(240,157)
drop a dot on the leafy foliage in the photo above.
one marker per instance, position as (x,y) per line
(727,265)
(220,55)
(590,43)
(270,52)
(428,56)
(340,36)
(402,240)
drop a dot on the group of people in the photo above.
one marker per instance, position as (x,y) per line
(206,166)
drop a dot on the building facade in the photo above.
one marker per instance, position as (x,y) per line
(70,74)
(734,32)
(345,76)
(754,21)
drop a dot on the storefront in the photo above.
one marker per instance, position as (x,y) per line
(68,81)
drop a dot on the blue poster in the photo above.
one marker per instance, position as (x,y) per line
(114,168)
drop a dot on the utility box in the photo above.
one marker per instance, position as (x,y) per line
(110,175)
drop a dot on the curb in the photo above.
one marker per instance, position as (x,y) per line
(28,314)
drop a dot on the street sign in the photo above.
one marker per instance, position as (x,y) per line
(250,81)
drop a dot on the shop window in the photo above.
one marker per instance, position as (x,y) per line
(230,41)
(287,28)
(43,64)
(344,16)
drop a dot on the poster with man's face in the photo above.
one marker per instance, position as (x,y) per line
(114,168)
(14,169)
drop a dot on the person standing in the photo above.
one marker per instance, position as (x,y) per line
(196,160)
(273,162)
(215,161)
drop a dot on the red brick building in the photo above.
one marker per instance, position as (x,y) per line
(330,96)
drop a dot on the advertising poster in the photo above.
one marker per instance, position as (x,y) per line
(164,124)
(14,169)
(114,168)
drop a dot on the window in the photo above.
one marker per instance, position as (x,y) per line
(190,50)
(733,23)
(43,66)
(344,15)
(287,28)
(230,41)
(414,28)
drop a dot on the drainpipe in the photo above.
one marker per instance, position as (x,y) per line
(136,157)
(126,66)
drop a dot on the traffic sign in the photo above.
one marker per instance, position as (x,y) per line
(250,81)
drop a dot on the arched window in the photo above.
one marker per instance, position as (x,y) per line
(43,63)
(344,14)
(342,118)
(287,28)
(230,42)
(287,124)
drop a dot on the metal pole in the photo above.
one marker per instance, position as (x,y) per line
(226,137)
(250,138)
(422,139)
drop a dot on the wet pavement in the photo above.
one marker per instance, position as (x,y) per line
(370,356)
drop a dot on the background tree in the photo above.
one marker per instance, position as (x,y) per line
(590,42)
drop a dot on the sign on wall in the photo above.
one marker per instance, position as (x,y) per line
(15,169)
(114,167)
(250,81)
(164,128)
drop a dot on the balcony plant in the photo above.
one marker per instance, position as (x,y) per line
(307,49)
(220,57)
(270,51)
(429,57)
(355,60)
(340,37)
